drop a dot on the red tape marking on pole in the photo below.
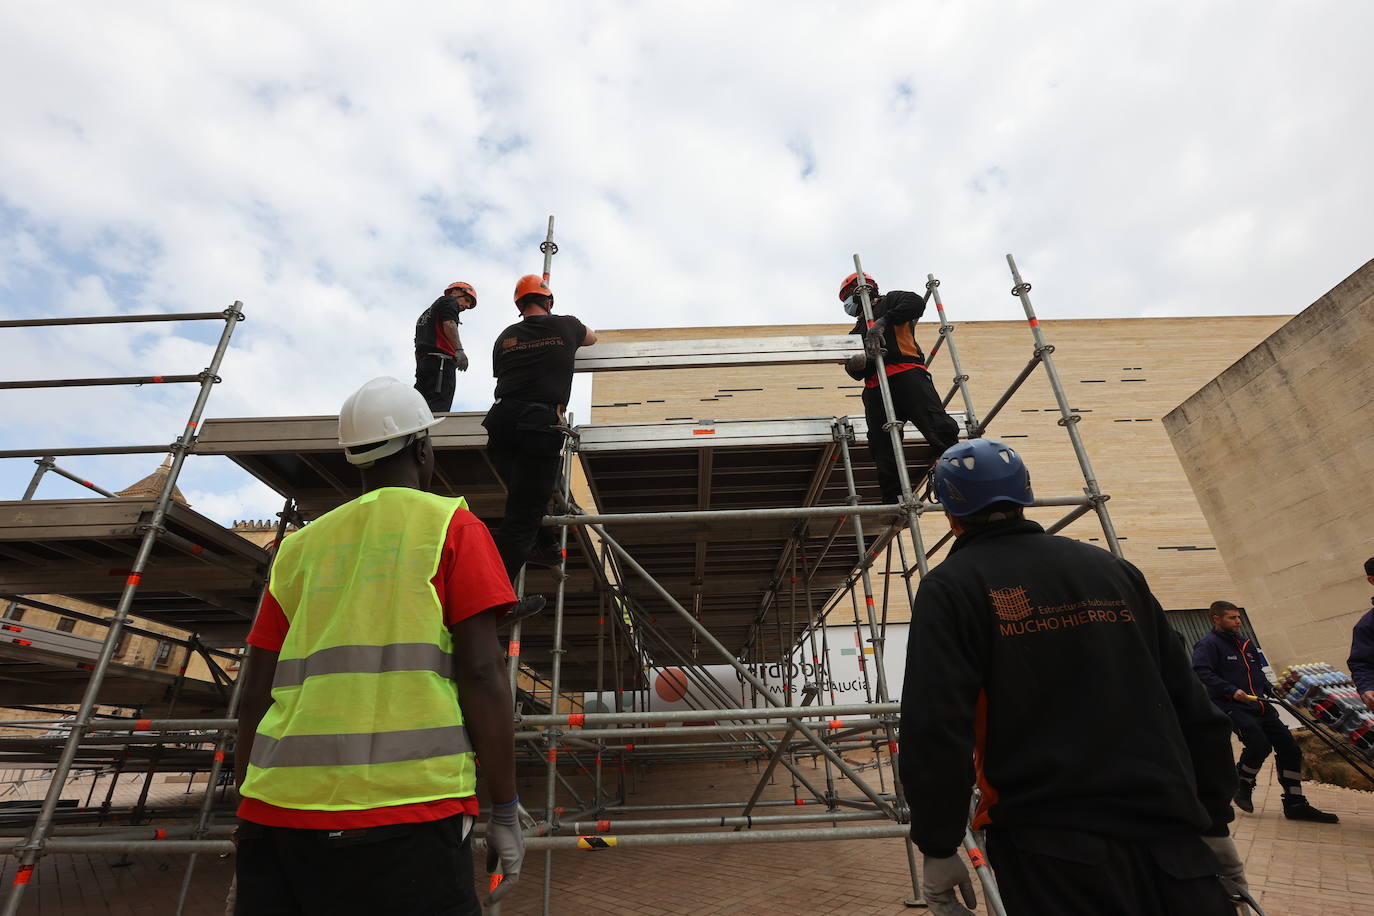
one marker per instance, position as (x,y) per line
(23,642)
(798,801)
(143,725)
(868,600)
(836,723)
(196,548)
(703,432)
(25,873)
(134,579)
(514,650)
(219,756)
(1035,322)
(892,748)
(495,883)
(577,718)
(157,378)
(629,747)
(975,855)
(159,834)
(603,825)
(553,755)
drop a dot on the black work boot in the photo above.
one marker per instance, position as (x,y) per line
(527,606)
(1297,808)
(1243,798)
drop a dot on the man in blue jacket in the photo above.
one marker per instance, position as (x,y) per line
(1231,667)
(1361,661)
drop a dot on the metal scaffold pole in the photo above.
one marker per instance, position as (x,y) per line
(33,847)
(1067,418)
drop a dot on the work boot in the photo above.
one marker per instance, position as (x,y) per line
(1297,808)
(527,606)
(1243,798)
(549,556)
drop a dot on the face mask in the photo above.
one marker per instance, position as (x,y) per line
(853,305)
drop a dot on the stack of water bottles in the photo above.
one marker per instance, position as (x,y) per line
(1330,698)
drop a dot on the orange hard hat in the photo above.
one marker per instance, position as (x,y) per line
(465,287)
(851,281)
(531,285)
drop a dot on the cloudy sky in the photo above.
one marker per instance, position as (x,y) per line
(335,165)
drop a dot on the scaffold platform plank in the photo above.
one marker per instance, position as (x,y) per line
(717,353)
(205,578)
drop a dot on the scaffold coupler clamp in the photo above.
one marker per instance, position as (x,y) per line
(235,311)
(932,283)
(1021,288)
(842,430)
(1071,418)
(1043,351)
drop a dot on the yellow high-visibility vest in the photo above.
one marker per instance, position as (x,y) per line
(364,708)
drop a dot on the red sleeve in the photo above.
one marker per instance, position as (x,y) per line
(471,577)
(269,630)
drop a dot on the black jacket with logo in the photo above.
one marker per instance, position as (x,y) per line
(1050,663)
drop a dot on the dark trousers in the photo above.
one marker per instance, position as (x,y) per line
(524,448)
(913,399)
(1259,734)
(1054,872)
(436,378)
(404,868)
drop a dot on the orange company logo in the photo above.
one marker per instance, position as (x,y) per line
(1011,603)
(508,342)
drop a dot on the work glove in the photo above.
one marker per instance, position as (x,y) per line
(942,876)
(1232,870)
(856,365)
(505,848)
(873,340)
(463,362)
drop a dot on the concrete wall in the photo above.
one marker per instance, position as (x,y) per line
(1279,449)
(1122,374)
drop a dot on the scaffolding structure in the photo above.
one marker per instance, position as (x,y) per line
(770,537)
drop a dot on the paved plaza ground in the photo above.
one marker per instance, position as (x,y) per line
(1295,869)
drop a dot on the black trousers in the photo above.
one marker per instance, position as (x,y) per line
(1055,872)
(404,868)
(1259,734)
(524,448)
(436,378)
(913,399)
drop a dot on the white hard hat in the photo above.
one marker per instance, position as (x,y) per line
(384,412)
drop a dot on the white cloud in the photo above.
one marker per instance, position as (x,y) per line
(335,165)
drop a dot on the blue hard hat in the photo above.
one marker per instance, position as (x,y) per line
(972,475)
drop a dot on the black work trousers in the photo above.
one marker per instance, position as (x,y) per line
(1259,734)
(913,399)
(415,869)
(436,378)
(1056,872)
(524,448)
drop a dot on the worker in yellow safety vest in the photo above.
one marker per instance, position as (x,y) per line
(374,682)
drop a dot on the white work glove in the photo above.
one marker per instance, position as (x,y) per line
(505,848)
(942,876)
(1232,869)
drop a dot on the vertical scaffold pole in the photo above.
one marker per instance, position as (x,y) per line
(549,248)
(960,377)
(32,847)
(207,803)
(909,504)
(1067,418)
(551,782)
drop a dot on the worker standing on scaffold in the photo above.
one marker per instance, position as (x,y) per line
(1043,669)
(532,361)
(439,355)
(914,398)
(373,681)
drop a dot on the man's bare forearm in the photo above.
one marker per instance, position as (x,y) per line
(258,671)
(488,712)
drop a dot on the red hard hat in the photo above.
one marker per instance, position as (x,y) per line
(465,287)
(852,281)
(531,284)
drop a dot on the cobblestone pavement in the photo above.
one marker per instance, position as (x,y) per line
(1296,869)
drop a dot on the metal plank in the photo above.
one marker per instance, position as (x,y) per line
(717,353)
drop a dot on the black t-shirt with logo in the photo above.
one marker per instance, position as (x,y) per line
(533,360)
(429,329)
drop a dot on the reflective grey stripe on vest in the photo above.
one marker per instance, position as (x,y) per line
(401,656)
(359,750)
